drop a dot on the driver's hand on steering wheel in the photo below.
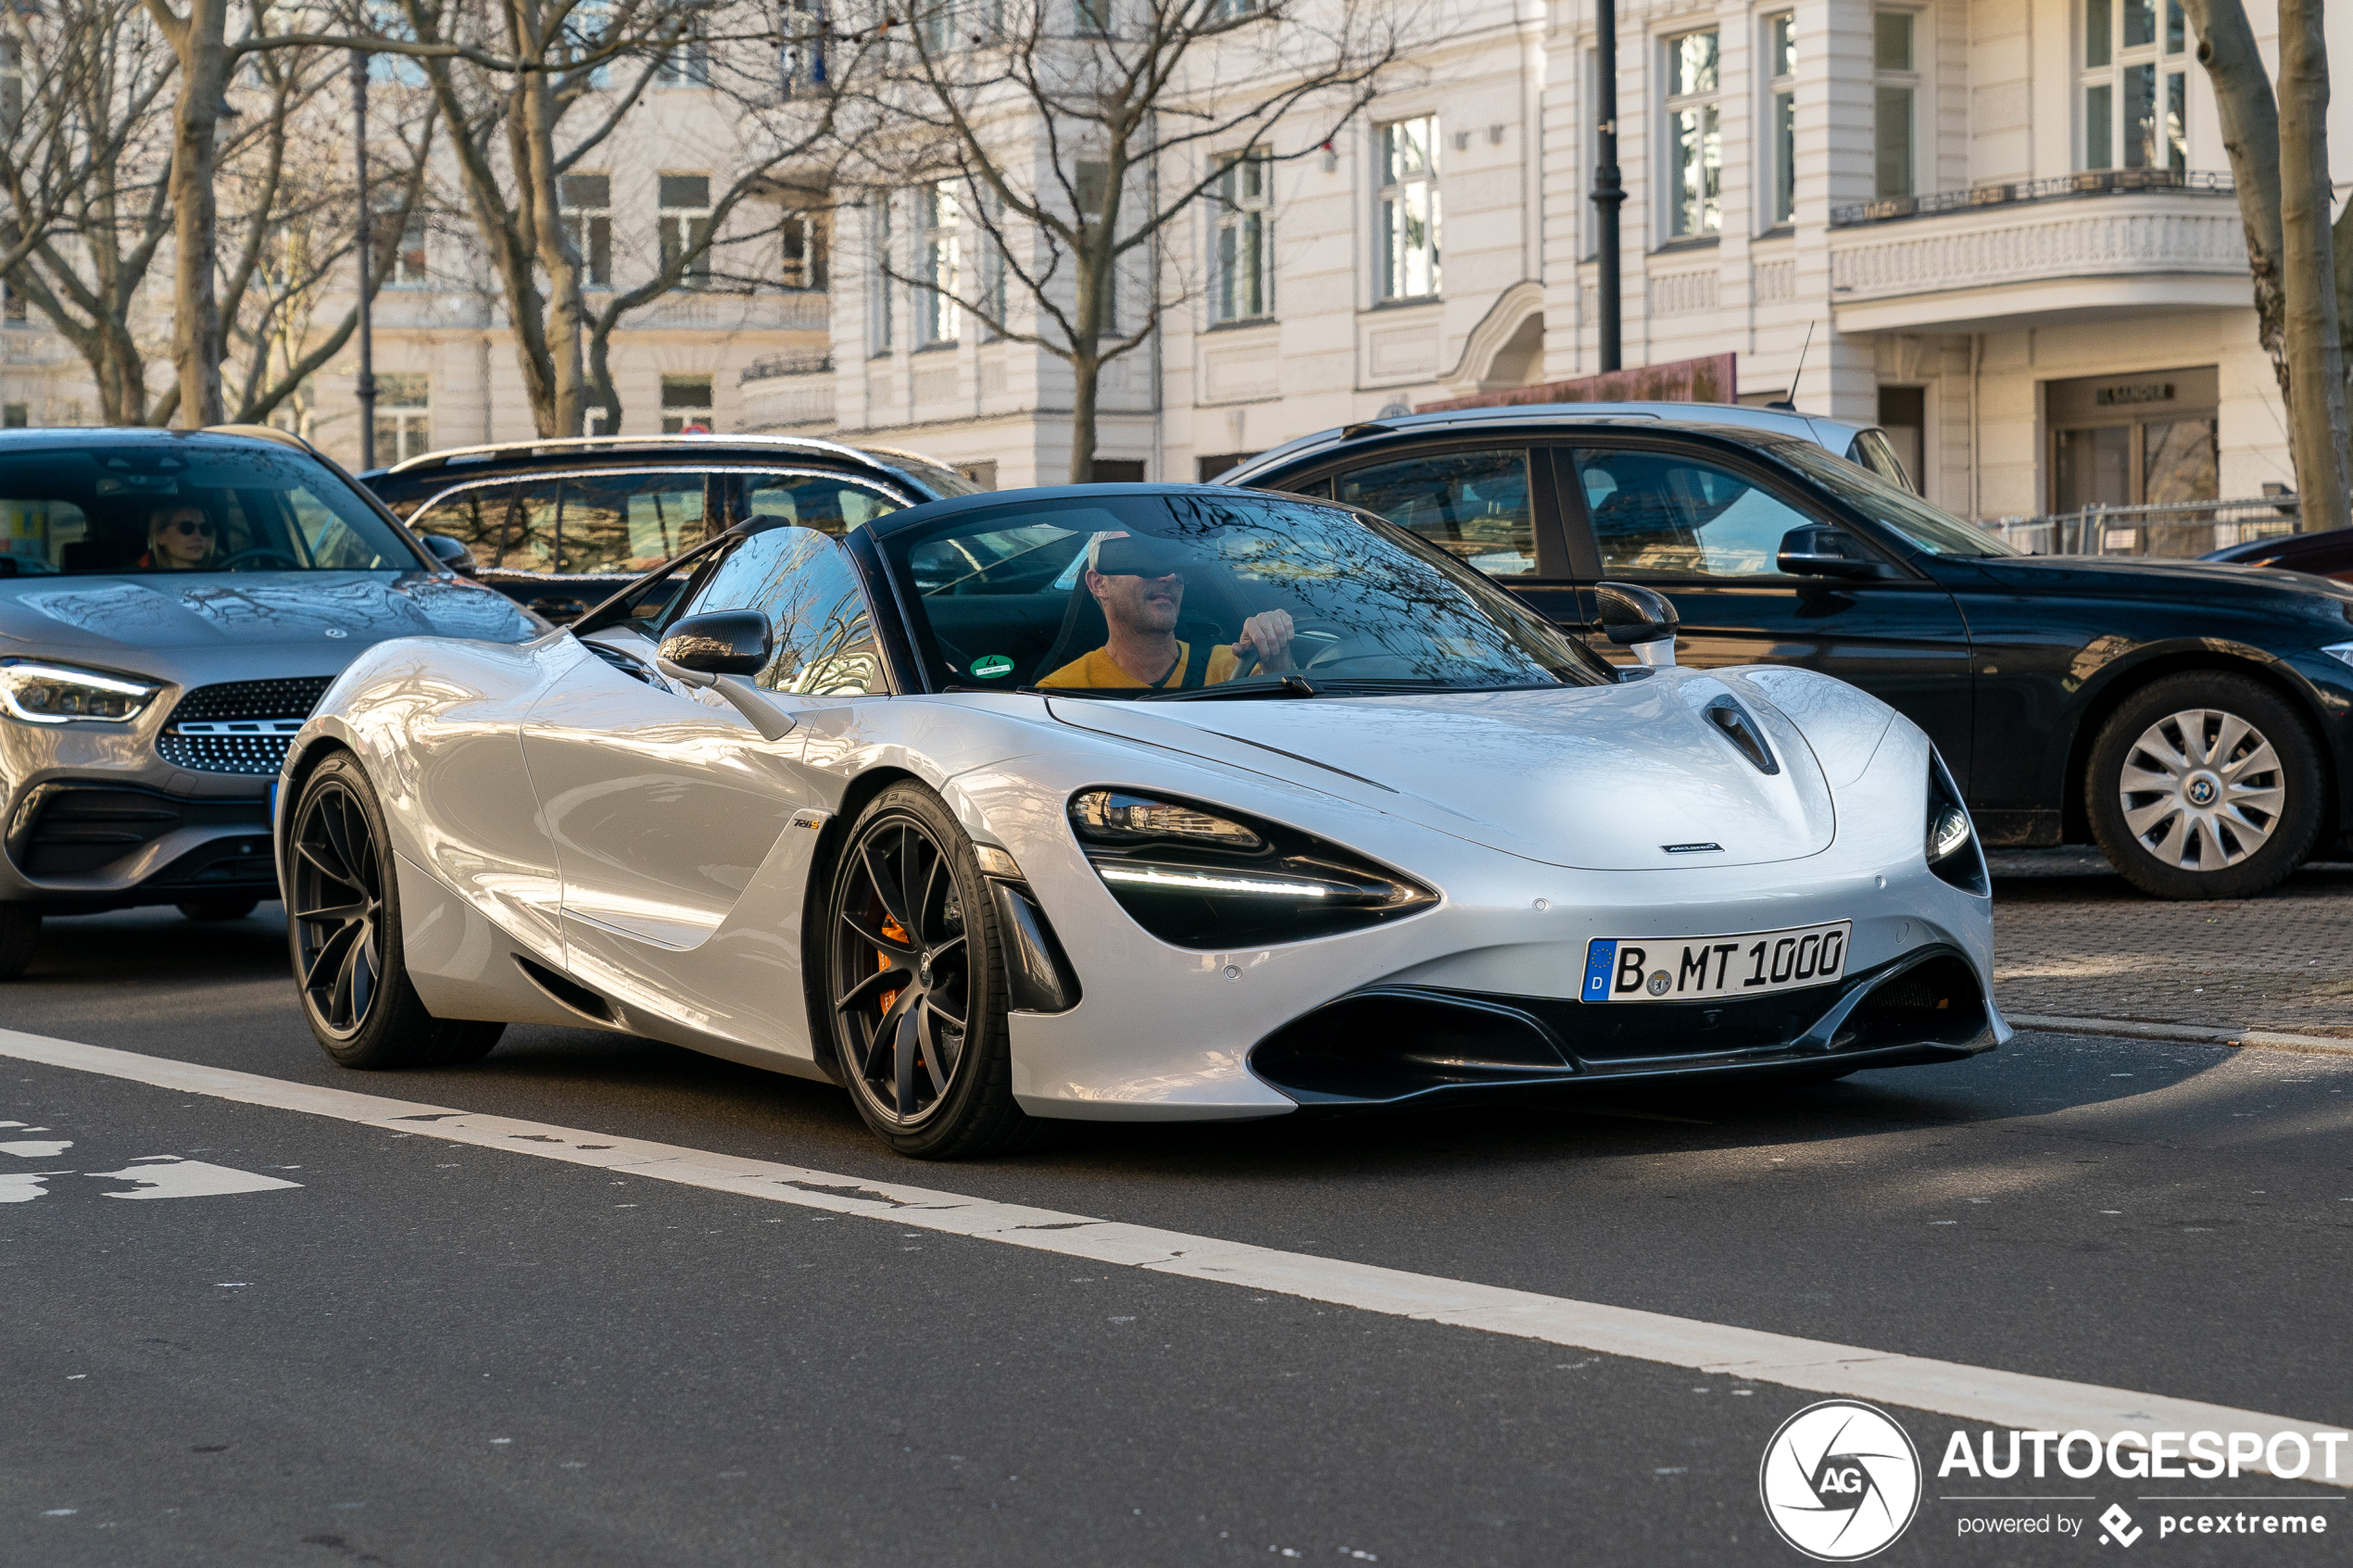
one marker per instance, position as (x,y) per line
(1268,636)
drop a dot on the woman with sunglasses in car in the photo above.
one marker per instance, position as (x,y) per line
(180,538)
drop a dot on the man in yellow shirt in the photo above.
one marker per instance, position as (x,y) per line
(1141,584)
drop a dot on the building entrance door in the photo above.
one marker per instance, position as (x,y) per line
(2147,439)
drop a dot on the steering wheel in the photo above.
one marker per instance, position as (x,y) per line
(257,553)
(1336,642)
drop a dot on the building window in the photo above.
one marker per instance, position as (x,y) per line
(12,303)
(686,228)
(1409,214)
(11,84)
(404,416)
(409,269)
(16,416)
(1694,138)
(1896,84)
(2135,89)
(1093,17)
(686,404)
(686,63)
(586,200)
(803,264)
(938,315)
(1781,46)
(1240,288)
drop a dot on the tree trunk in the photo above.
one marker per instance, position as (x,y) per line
(2315,351)
(201,43)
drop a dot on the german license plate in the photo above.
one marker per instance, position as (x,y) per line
(1684,969)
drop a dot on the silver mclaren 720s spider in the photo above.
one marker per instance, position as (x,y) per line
(1127,802)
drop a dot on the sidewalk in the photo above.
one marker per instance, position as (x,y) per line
(2072,939)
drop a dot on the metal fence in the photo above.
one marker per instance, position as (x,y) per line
(2180,531)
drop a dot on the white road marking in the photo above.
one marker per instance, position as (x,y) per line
(36,1148)
(23,1187)
(167,1177)
(1977,1394)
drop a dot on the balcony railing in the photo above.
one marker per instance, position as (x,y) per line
(2090,182)
(2177,531)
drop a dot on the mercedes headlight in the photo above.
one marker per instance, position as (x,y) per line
(58,694)
(1198,877)
(1951,840)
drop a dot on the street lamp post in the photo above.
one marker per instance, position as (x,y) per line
(1609,190)
(367,384)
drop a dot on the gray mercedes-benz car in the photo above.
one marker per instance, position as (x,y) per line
(172,606)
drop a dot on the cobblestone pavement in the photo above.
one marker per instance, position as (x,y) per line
(2074,940)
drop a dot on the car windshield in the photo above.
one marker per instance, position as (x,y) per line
(1211,594)
(162,507)
(943,482)
(1925,528)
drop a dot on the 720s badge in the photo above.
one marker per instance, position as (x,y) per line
(1683,969)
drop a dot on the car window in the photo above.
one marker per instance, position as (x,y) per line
(476,518)
(185,506)
(1472,505)
(1872,450)
(1675,514)
(628,523)
(1922,525)
(804,581)
(825,502)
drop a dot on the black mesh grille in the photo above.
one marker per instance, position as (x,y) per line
(291,697)
(244,725)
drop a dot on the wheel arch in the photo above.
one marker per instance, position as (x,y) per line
(819,889)
(311,755)
(2076,821)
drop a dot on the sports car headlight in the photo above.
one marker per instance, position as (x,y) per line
(1203,877)
(1951,842)
(57,694)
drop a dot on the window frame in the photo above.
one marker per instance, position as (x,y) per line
(940,240)
(1396,189)
(1889,79)
(408,419)
(1707,102)
(1779,132)
(2165,56)
(1247,215)
(680,227)
(590,224)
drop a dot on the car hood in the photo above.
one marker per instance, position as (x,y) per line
(1600,777)
(346,611)
(2172,581)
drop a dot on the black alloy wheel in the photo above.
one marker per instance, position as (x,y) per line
(343,926)
(917,986)
(2205,785)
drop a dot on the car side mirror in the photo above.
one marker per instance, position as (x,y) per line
(715,651)
(1819,551)
(1641,619)
(724,642)
(451,553)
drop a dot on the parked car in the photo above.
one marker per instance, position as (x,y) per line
(558,525)
(2326,554)
(883,809)
(1865,445)
(172,606)
(2194,719)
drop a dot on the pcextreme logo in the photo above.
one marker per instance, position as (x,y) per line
(1841,1481)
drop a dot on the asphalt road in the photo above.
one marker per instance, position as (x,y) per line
(432,1353)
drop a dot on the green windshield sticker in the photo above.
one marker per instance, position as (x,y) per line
(992,666)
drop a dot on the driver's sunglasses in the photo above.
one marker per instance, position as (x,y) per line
(201,530)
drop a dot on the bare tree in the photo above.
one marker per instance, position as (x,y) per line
(1070,134)
(2279,161)
(528,89)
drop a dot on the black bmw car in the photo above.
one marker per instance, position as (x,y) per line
(558,525)
(2194,719)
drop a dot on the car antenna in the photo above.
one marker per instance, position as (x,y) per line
(1789,402)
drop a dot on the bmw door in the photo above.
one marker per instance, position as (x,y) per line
(1710,528)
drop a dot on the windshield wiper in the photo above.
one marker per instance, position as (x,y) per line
(1235,691)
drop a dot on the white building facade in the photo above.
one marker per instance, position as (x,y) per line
(2007,226)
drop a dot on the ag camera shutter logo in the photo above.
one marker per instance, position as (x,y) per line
(1841,1481)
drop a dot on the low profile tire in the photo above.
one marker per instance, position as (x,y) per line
(2205,785)
(19,933)
(227,909)
(343,926)
(916,983)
